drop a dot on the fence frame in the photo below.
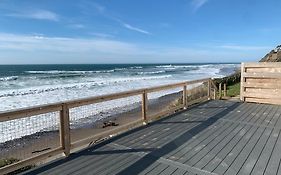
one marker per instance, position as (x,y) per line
(257,95)
(65,142)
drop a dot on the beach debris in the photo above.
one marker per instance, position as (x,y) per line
(109,123)
(39,151)
(97,141)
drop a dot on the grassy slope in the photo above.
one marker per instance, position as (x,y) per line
(233,90)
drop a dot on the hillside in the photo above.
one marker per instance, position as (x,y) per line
(273,55)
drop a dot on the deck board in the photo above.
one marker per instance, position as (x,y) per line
(216,137)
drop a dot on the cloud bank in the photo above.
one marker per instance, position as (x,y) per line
(36,14)
(26,49)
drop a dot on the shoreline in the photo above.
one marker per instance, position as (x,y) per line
(41,142)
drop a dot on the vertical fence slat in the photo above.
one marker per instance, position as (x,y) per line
(144,106)
(224,90)
(209,88)
(215,93)
(220,92)
(65,129)
(184,96)
(242,82)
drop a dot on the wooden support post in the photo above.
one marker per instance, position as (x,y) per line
(209,89)
(144,107)
(242,82)
(184,99)
(220,92)
(224,89)
(65,129)
(215,93)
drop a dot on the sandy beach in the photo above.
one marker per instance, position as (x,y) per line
(41,142)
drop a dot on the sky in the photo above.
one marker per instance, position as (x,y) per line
(137,31)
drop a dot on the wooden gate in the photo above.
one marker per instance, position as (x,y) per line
(261,82)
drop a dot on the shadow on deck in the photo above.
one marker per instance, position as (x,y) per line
(216,137)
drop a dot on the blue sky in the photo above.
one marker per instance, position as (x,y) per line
(131,31)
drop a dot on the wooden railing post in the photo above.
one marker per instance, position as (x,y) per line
(215,93)
(209,89)
(220,91)
(224,90)
(144,107)
(242,82)
(184,97)
(65,129)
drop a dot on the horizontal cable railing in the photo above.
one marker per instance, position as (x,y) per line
(57,122)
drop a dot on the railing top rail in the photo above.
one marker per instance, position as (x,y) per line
(261,64)
(41,109)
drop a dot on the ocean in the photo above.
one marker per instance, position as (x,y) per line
(30,85)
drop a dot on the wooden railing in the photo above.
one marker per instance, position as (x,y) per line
(261,82)
(64,120)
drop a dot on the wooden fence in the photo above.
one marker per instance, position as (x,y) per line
(65,142)
(261,82)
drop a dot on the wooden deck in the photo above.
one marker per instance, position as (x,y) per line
(216,137)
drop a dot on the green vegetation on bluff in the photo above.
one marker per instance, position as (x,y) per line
(233,90)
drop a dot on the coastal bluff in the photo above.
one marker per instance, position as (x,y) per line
(273,56)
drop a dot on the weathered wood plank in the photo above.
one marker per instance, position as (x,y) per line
(168,171)
(262,85)
(264,70)
(260,91)
(158,169)
(263,80)
(213,151)
(263,64)
(254,155)
(274,162)
(32,160)
(240,160)
(261,95)
(226,160)
(262,75)
(180,172)
(259,100)
(224,147)
(27,112)
(194,143)
(149,168)
(266,153)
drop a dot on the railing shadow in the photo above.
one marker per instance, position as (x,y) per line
(152,154)
(152,157)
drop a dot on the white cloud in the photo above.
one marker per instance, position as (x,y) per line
(77,26)
(36,14)
(101,35)
(197,4)
(128,26)
(36,49)
(241,47)
(62,44)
